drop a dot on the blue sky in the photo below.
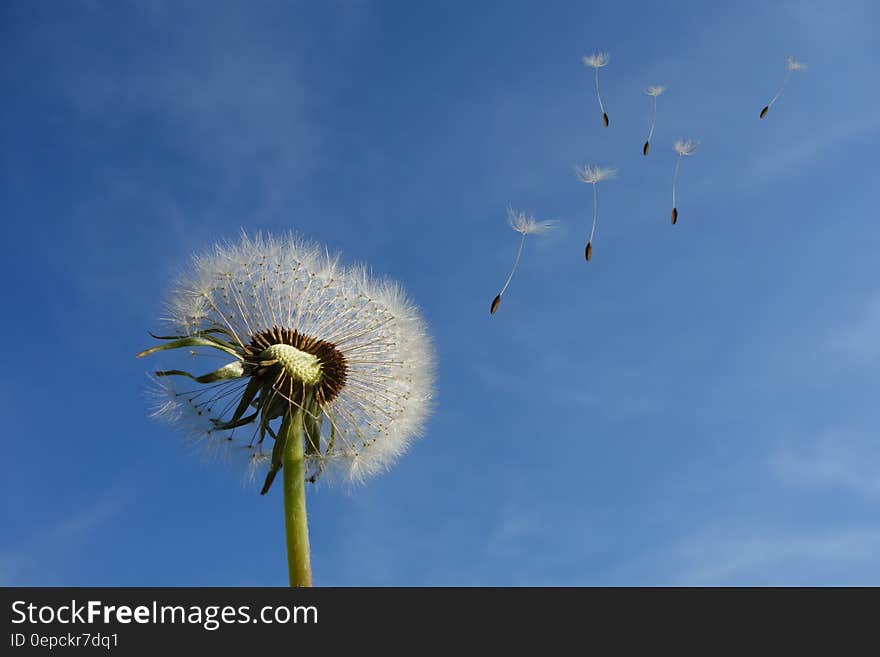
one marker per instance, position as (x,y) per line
(691,407)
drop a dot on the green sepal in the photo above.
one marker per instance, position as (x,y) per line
(313,418)
(332,439)
(278,451)
(238,422)
(220,374)
(271,405)
(316,450)
(220,330)
(253,387)
(193,341)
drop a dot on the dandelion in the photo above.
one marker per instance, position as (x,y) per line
(653,92)
(596,61)
(791,64)
(594,175)
(682,147)
(525,226)
(334,366)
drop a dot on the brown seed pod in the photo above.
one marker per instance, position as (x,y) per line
(646,148)
(495,303)
(588,252)
(764,111)
(605,118)
(674,215)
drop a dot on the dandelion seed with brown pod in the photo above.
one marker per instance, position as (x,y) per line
(594,175)
(791,65)
(653,92)
(596,61)
(682,147)
(524,225)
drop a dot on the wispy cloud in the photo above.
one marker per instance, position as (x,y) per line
(820,21)
(860,337)
(238,104)
(771,558)
(729,555)
(841,458)
(516,531)
(808,150)
(39,559)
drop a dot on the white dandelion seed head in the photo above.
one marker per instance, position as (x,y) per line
(794,65)
(655,90)
(252,286)
(597,59)
(686,146)
(527,225)
(593,174)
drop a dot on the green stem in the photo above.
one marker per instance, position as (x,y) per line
(295,519)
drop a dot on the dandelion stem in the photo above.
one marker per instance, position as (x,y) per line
(295,519)
(515,263)
(781,88)
(674,177)
(595,213)
(653,117)
(599,96)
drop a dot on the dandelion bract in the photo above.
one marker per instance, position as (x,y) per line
(594,175)
(328,370)
(596,61)
(791,65)
(525,225)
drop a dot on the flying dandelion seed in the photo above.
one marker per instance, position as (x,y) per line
(653,92)
(525,226)
(682,147)
(596,61)
(594,175)
(335,367)
(791,65)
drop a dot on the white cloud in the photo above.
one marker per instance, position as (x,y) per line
(808,150)
(860,338)
(236,110)
(769,558)
(739,553)
(823,20)
(40,559)
(845,459)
